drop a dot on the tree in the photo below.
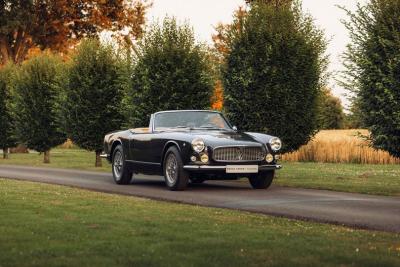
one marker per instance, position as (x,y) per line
(373,70)
(97,78)
(354,119)
(7,139)
(57,25)
(37,97)
(222,38)
(171,71)
(330,113)
(274,72)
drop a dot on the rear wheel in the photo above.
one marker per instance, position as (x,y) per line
(262,180)
(176,177)
(121,172)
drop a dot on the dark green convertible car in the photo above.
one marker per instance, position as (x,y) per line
(192,146)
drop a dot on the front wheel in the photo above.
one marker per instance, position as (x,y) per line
(176,177)
(262,180)
(121,173)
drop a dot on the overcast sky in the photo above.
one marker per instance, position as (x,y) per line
(204,15)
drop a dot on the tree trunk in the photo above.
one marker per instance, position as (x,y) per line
(46,159)
(5,152)
(98,159)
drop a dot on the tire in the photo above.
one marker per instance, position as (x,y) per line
(262,180)
(121,173)
(196,180)
(176,178)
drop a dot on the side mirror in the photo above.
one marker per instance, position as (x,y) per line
(234,128)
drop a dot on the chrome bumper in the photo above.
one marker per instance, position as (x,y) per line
(104,156)
(223,168)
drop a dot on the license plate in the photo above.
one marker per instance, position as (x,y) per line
(242,169)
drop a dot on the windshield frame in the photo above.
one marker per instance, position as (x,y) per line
(154,118)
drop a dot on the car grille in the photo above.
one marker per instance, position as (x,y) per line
(238,154)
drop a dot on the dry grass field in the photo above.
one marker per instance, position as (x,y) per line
(341,146)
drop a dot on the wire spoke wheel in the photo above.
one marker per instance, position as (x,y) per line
(118,164)
(172,169)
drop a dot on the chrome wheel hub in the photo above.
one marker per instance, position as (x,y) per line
(171,171)
(118,164)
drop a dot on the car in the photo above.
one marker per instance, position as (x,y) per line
(192,146)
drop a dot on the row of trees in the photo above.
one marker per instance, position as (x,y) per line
(102,89)
(269,67)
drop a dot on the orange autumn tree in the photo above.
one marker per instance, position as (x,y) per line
(217,100)
(58,24)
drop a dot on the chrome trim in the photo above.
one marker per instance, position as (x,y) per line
(239,160)
(143,162)
(104,156)
(222,168)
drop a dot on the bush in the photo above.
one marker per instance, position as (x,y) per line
(330,113)
(38,88)
(7,139)
(373,70)
(171,71)
(274,73)
(97,77)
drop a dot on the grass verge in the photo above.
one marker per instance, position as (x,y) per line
(48,225)
(357,178)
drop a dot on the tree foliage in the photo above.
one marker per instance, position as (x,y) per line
(171,71)
(274,72)
(330,113)
(97,78)
(373,69)
(222,38)
(38,88)
(57,25)
(354,119)
(6,120)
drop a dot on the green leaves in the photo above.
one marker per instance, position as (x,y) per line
(7,129)
(92,106)
(171,71)
(274,73)
(372,72)
(38,88)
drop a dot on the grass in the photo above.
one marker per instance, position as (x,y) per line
(60,158)
(360,178)
(341,146)
(48,225)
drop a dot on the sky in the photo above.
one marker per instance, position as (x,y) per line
(205,14)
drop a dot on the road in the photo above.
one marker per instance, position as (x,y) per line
(354,210)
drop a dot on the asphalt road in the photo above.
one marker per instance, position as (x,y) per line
(354,210)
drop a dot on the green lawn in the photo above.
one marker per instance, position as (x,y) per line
(48,225)
(370,179)
(360,178)
(60,158)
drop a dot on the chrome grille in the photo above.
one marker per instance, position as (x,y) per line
(238,154)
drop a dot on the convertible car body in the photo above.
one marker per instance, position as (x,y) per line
(192,146)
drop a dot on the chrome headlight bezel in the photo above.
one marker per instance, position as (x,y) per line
(198,145)
(275,143)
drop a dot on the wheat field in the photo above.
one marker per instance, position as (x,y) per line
(341,146)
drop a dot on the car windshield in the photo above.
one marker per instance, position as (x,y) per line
(190,119)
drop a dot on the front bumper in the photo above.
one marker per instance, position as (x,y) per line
(208,168)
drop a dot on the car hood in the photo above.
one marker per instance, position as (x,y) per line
(226,138)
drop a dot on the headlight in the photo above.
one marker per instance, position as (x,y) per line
(198,145)
(276,143)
